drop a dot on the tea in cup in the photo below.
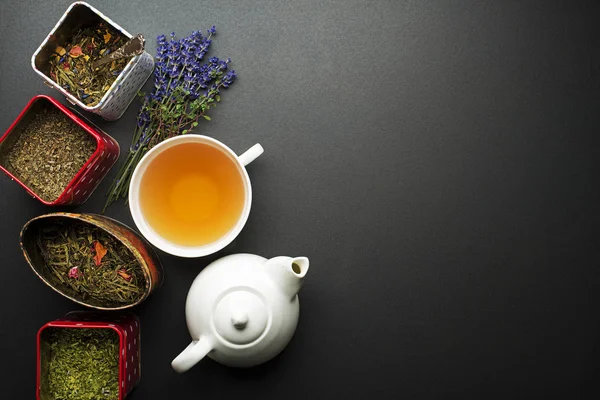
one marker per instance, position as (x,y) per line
(190,195)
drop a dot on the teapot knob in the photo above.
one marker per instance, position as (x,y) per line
(239,320)
(241,317)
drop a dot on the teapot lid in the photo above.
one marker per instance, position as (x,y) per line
(241,317)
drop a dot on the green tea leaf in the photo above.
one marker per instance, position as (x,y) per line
(83,364)
(48,152)
(84,262)
(81,50)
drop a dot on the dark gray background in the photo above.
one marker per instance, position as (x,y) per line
(435,160)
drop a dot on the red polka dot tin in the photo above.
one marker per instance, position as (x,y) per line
(125,324)
(83,184)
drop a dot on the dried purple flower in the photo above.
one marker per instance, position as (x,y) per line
(185,89)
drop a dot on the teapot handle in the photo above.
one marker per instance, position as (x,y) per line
(192,354)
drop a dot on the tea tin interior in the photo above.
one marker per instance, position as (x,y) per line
(127,327)
(144,254)
(83,184)
(122,91)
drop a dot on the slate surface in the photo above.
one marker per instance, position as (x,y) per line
(437,161)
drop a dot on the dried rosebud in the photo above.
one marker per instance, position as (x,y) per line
(123,274)
(74,273)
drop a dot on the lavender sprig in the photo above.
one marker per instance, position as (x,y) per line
(184,90)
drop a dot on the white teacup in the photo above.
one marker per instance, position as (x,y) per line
(179,250)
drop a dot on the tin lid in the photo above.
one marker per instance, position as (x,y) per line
(241,317)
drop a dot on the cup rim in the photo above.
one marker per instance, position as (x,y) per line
(156,239)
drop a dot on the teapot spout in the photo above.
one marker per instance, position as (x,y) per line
(288,273)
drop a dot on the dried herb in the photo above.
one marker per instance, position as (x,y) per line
(185,90)
(48,153)
(87,263)
(71,66)
(84,364)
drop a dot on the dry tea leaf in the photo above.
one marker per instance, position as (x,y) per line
(49,151)
(84,48)
(66,245)
(100,252)
(83,364)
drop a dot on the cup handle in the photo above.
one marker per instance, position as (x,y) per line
(251,154)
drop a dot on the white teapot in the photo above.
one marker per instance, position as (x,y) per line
(242,310)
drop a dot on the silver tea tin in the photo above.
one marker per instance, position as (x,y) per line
(123,90)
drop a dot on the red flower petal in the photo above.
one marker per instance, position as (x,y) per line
(76,52)
(100,252)
(123,274)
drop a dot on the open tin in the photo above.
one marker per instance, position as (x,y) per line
(91,173)
(123,90)
(126,329)
(141,250)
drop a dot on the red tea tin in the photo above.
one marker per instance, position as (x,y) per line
(125,324)
(93,171)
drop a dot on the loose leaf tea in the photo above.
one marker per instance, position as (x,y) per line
(87,263)
(48,153)
(71,66)
(84,364)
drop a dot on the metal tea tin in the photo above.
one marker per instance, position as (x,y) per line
(140,248)
(123,90)
(125,324)
(83,184)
